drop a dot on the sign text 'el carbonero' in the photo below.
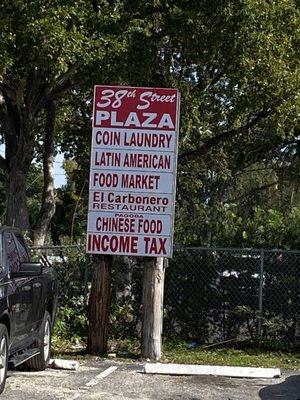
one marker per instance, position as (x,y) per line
(133,171)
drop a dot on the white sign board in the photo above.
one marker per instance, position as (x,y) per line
(133,171)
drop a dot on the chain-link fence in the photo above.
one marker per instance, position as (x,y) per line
(74,271)
(211,294)
(214,295)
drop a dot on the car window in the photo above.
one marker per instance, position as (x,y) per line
(23,253)
(11,253)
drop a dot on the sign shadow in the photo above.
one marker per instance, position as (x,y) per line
(287,390)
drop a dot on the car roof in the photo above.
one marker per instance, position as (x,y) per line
(8,228)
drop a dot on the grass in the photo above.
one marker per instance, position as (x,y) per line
(246,354)
(249,356)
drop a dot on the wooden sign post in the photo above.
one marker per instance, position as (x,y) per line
(132,182)
(153,293)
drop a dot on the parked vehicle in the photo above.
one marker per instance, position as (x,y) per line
(28,298)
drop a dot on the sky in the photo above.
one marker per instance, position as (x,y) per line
(59,173)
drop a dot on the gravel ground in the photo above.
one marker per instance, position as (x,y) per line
(129,382)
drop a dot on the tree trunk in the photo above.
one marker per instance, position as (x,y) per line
(99,303)
(21,101)
(17,127)
(49,197)
(153,290)
(16,204)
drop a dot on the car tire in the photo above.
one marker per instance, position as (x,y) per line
(41,360)
(3,355)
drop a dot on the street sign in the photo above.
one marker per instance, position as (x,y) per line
(133,171)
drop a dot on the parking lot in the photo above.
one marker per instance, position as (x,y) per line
(113,380)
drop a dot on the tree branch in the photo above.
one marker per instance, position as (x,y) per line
(224,136)
(249,171)
(49,197)
(253,191)
(215,79)
(67,75)
(95,5)
(2,163)
(62,84)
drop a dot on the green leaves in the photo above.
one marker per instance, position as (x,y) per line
(233,61)
(49,37)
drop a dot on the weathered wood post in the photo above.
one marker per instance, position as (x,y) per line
(99,303)
(153,290)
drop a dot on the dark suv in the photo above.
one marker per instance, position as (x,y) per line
(28,297)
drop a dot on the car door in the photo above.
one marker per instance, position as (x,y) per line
(20,296)
(38,300)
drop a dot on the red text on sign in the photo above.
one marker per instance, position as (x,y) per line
(155,245)
(112,244)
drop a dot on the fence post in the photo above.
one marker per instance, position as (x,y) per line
(261,284)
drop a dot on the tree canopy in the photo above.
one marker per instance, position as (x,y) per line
(236,64)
